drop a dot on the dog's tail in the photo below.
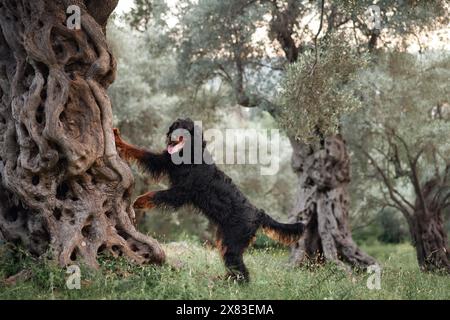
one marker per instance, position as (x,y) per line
(282,232)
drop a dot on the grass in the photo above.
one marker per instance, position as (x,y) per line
(192,274)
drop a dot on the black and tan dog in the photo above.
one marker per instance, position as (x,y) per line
(207,188)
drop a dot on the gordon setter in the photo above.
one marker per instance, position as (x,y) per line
(208,189)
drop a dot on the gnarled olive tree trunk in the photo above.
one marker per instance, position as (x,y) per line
(322,202)
(63,186)
(427,228)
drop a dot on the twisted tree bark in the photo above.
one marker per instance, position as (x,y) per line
(63,185)
(427,228)
(322,202)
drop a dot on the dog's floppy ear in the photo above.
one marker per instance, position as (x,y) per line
(188,124)
(173,126)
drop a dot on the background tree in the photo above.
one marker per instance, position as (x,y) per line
(63,185)
(401,135)
(323,200)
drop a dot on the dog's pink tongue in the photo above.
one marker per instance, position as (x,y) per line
(173,149)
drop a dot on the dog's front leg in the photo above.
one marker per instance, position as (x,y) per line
(156,164)
(128,151)
(145,201)
(173,198)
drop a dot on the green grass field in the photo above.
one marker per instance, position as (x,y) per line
(192,270)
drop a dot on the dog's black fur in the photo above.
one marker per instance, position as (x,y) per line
(207,188)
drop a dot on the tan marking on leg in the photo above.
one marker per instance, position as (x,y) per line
(144,201)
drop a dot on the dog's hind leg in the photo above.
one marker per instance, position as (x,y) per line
(234,263)
(232,255)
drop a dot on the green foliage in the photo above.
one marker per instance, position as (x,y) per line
(140,14)
(192,274)
(42,276)
(264,242)
(403,94)
(380,227)
(393,226)
(215,46)
(317,91)
(147,13)
(136,95)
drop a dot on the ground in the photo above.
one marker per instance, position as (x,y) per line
(193,269)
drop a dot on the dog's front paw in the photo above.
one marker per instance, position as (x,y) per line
(117,137)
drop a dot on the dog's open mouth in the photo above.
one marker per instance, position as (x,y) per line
(175,145)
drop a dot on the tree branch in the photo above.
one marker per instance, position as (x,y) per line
(316,58)
(100,10)
(392,191)
(282,26)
